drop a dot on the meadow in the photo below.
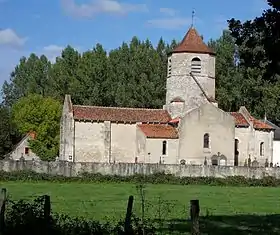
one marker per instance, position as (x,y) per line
(230,206)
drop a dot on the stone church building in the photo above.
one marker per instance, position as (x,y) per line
(189,129)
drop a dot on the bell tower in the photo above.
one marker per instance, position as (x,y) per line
(190,75)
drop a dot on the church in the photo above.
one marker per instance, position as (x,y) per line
(189,129)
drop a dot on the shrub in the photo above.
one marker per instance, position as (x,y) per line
(28,218)
(157,178)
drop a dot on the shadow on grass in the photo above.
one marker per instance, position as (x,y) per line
(227,225)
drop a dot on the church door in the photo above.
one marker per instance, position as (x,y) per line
(236,152)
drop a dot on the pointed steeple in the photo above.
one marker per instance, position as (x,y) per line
(193,43)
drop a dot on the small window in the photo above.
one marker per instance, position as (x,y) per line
(206,141)
(215,162)
(26,151)
(262,149)
(236,145)
(236,152)
(183,162)
(169,67)
(196,65)
(164,147)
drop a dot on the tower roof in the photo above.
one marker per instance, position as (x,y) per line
(193,43)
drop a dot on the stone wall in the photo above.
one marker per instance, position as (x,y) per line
(126,169)
(180,84)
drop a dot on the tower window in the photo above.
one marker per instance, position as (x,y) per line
(164,147)
(262,149)
(26,151)
(196,65)
(206,141)
(169,67)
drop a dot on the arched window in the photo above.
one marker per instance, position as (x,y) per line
(169,67)
(262,149)
(196,65)
(164,147)
(206,141)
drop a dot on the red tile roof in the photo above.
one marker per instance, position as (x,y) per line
(193,43)
(32,134)
(257,124)
(239,119)
(260,125)
(160,131)
(114,114)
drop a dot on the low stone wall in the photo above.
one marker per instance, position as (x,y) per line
(126,169)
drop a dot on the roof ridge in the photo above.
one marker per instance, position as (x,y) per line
(106,107)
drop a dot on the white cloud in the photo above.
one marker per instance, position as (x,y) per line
(9,58)
(168,11)
(52,51)
(94,7)
(9,37)
(10,43)
(170,23)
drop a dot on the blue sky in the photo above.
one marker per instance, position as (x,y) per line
(46,26)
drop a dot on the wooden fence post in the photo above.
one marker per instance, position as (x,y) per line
(47,212)
(127,225)
(194,213)
(3,200)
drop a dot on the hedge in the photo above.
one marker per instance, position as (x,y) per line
(158,178)
(28,218)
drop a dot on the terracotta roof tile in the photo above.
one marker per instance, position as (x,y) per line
(193,43)
(275,127)
(114,114)
(160,131)
(261,125)
(239,119)
(257,124)
(32,134)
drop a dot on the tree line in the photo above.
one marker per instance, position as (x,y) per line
(134,75)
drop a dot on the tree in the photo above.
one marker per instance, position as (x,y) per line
(63,75)
(5,138)
(8,134)
(259,48)
(227,72)
(30,76)
(41,115)
(93,81)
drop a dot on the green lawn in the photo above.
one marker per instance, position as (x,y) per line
(168,202)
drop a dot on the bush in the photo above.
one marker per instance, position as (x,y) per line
(28,218)
(157,178)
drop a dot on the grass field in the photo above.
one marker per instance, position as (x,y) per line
(169,202)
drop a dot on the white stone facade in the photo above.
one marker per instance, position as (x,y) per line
(190,128)
(22,149)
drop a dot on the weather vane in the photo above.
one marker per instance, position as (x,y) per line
(193,12)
